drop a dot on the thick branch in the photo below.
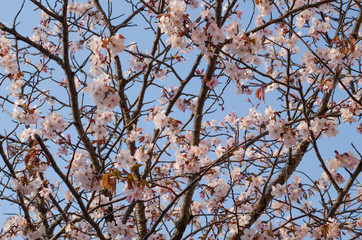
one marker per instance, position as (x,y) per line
(185,214)
(345,190)
(357,25)
(104,16)
(46,10)
(12,171)
(199,176)
(73,92)
(31,43)
(288,169)
(292,12)
(71,188)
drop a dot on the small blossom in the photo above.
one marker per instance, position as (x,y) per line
(278,191)
(160,120)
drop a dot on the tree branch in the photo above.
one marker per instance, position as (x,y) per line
(71,188)
(37,46)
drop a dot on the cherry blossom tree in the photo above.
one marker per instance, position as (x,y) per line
(181,119)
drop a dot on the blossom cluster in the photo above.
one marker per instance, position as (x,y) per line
(118,230)
(83,174)
(99,122)
(104,96)
(173,22)
(7,56)
(52,125)
(29,115)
